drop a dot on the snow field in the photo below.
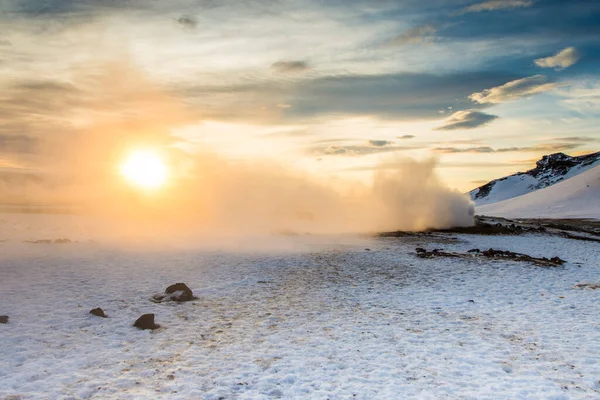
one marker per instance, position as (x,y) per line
(333,322)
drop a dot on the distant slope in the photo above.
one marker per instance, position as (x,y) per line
(576,197)
(550,170)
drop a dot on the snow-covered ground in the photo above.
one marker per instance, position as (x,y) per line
(320,318)
(576,197)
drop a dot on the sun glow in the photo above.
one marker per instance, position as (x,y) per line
(145,169)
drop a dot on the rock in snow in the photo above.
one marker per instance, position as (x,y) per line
(98,312)
(179,292)
(146,321)
(3,319)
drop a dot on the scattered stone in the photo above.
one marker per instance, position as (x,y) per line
(179,292)
(3,319)
(474,251)
(367,249)
(171,377)
(592,286)
(471,301)
(98,312)
(420,250)
(146,321)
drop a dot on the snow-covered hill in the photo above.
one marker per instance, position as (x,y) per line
(576,197)
(549,170)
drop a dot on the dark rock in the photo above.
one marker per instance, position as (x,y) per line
(557,260)
(98,312)
(180,292)
(420,250)
(367,249)
(474,251)
(471,301)
(146,321)
(3,319)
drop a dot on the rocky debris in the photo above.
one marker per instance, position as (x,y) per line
(3,319)
(98,312)
(592,286)
(179,292)
(509,255)
(437,253)
(494,255)
(146,321)
(482,227)
(420,250)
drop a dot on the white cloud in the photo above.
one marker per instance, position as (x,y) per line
(514,90)
(416,35)
(561,60)
(492,5)
(583,97)
(467,119)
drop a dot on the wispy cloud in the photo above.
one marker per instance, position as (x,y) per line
(514,90)
(468,119)
(580,139)
(561,60)
(416,35)
(404,137)
(551,147)
(492,5)
(290,67)
(368,148)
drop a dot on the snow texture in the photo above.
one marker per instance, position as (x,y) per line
(324,318)
(576,197)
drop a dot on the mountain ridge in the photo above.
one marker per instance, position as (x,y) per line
(549,170)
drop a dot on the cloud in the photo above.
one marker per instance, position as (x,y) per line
(514,90)
(17,144)
(368,148)
(492,5)
(561,60)
(290,67)
(401,96)
(468,119)
(416,35)
(480,149)
(188,22)
(380,143)
(580,139)
(404,137)
(551,147)
(406,96)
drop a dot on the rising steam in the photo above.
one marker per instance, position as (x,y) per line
(209,194)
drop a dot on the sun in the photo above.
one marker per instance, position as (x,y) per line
(145,169)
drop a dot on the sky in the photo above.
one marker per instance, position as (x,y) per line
(337,88)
